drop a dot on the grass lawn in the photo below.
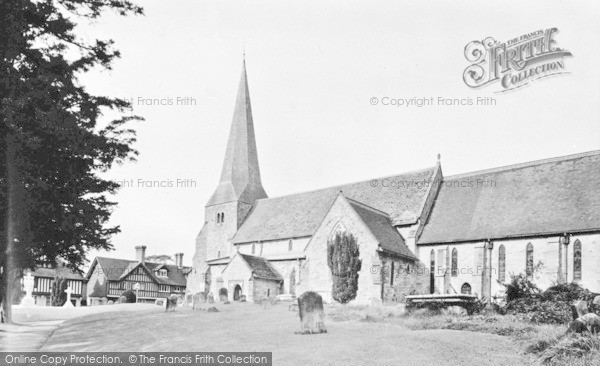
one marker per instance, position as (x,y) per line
(248,327)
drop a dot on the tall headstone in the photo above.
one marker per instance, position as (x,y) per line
(68,303)
(312,315)
(28,300)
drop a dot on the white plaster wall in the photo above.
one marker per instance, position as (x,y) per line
(590,261)
(545,250)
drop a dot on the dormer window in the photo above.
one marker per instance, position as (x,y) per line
(162,272)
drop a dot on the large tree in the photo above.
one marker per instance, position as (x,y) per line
(54,138)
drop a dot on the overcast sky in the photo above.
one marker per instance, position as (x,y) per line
(313,67)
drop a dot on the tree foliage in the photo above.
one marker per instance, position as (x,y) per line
(54,138)
(343,260)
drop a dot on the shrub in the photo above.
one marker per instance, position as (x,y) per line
(343,260)
(129,296)
(58,296)
(552,306)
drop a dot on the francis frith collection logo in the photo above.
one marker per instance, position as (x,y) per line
(516,62)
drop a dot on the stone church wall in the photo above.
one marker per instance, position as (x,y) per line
(408,279)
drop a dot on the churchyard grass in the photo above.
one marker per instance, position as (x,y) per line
(544,343)
(245,327)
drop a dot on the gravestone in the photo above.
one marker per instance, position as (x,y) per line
(212,309)
(28,300)
(211,298)
(312,315)
(579,309)
(68,303)
(122,300)
(223,295)
(243,298)
(171,302)
(198,300)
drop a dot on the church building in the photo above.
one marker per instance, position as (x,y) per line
(427,234)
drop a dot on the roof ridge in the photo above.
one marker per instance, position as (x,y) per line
(348,184)
(367,207)
(525,164)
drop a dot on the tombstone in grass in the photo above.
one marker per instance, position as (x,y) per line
(223,295)
(211,298)
(243,298)
(312,315)
(68,303)
(28,282)
(591,322)
(199,299)
(171,303)
(579,309)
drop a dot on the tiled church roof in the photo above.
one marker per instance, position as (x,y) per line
(542,197)
(261,267)
(299,215)
(381,227)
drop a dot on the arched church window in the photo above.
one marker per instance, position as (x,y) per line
(253,248)
(577,260)
(290,245)
(218,218)
(392,274)
(219,254)
(454,269)
(502,263)
(529,260)
(222,216)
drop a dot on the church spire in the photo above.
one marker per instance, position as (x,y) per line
(240,177)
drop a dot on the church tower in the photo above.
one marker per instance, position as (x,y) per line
(240,184)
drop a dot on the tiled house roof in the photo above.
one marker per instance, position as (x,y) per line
(381,227)
(118,269)
(543,197)
(59,271)
(261,267)
(402,197)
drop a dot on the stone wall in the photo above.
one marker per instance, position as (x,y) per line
(409,278)
(263,289)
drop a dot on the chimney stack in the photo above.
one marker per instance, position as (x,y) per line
(179,260)
(140,253)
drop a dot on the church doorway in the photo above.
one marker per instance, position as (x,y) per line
(237,293)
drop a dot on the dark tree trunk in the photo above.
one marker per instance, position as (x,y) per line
(14,195)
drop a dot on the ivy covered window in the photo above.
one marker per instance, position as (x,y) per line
(454,270)
(502,263)
(577,260)
(529,260)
